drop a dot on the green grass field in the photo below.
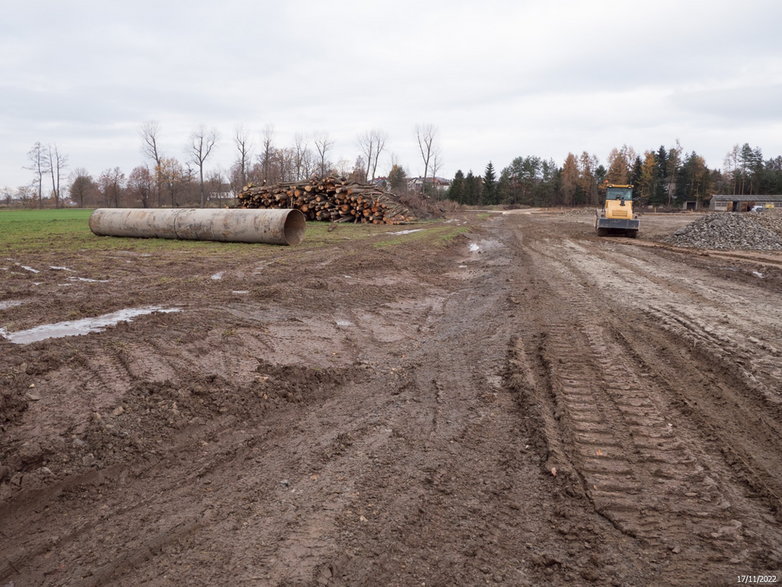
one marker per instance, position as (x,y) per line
(67,230)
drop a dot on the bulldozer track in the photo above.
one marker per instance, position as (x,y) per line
(616,428)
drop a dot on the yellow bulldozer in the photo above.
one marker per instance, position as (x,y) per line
(617,216)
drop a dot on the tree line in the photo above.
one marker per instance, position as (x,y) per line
(662,177)
(162,179)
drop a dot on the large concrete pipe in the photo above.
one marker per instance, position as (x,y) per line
(279,226)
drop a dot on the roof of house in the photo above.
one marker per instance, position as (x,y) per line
(748,198)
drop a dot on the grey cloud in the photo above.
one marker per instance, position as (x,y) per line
(733,106)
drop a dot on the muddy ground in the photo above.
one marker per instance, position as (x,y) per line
(522,404)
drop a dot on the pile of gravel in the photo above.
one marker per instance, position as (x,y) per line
(758,231)
(771,218)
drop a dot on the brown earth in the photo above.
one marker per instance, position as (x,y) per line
(551,408)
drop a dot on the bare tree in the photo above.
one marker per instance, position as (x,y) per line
(56,162)
(284,161)
(323,145)
(26,196)
(569,179)
(201,144)
(142,184)
(437,162)
(587,165)
(151,149)
(7,196)
(425,135)
(268,152)
(173,176)
(372,144)
(37,157)
(359,172)
(308,164)
(82,186)
(300,154)
(111,182)
(243,147)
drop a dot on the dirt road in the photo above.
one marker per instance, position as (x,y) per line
(524,404)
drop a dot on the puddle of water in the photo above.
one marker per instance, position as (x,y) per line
(485,245)
(344,323)
(462,266)
(240,291)
(218,276)
(4,305)
(57,268)
(30,269)
(79,327)
(758,274)
(86,279)
(409,231)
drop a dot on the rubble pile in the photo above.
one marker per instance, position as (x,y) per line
(760,231)
(771,218)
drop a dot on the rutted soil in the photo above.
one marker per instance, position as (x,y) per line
(525,404)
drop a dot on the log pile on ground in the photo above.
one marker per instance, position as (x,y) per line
(758,231)
(331,199)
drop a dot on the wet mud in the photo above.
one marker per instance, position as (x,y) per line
(524,404)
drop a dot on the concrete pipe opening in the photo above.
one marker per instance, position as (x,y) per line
(279,226)
(294,227)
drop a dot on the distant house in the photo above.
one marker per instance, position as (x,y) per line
(735,203)
(438,183)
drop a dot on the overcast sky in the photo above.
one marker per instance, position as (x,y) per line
(497,78)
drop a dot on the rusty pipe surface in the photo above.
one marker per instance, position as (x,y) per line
(278,226)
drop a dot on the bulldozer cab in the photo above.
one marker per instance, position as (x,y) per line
(619,192)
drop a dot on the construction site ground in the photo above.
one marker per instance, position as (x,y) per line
(495,398)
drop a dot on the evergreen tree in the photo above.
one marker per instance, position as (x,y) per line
(751,167)
(771,180)
(490,185)
(636,172)
(472,189)
(600,174)
(456,191)
(660,196)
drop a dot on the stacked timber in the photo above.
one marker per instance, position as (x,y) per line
(331,199)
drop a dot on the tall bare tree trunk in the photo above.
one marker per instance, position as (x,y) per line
(425,135)
(323,144)
(149,136)
(201,144)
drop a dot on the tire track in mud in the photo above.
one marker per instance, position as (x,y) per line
(651,277)
(720,336)
(614,428)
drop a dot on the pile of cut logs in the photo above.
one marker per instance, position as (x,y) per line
(331,199)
